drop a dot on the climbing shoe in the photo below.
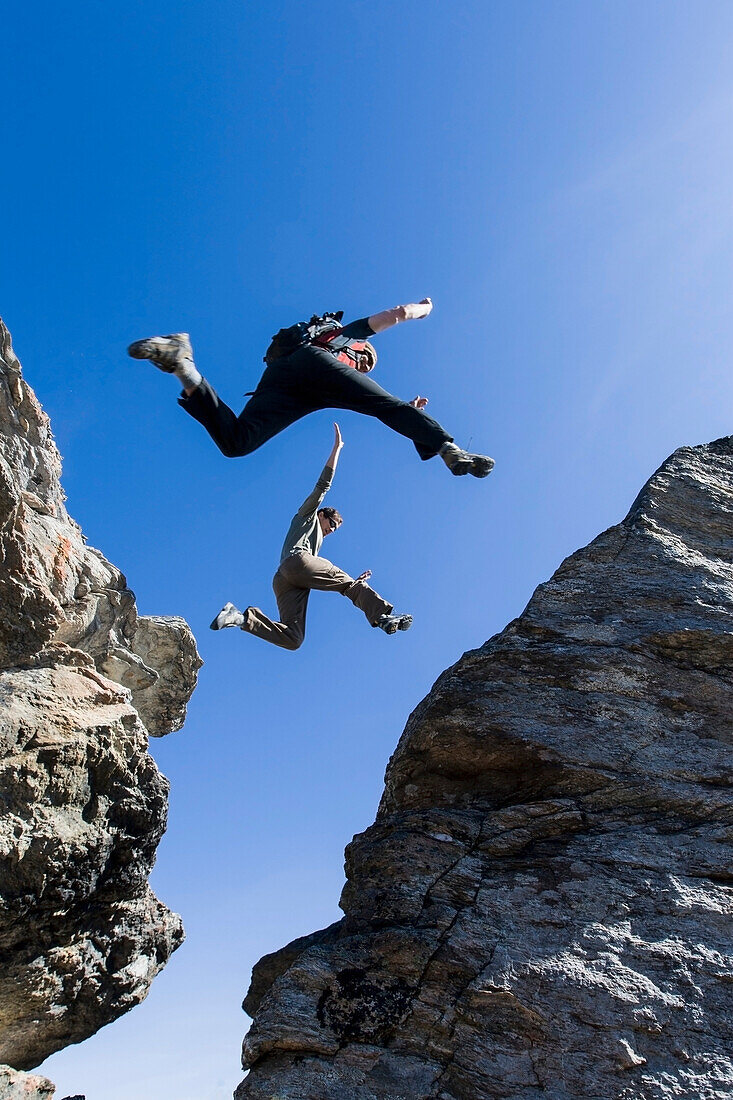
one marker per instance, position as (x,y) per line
(390,624)
(461,462)
(228,616)
(167,352)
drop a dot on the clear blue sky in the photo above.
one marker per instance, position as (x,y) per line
(556,175)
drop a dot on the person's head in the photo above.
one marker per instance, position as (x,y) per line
(366,358)
(330,520)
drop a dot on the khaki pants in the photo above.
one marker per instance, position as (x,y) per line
(298,575)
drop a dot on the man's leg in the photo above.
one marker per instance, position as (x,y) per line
(265,414)
(307,571)
(342,387)
(288,634)
(292,603)
(293,582)
(277,403)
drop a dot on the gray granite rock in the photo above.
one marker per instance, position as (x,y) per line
(83,805)
(543,905)
(23,1086)
(55,588)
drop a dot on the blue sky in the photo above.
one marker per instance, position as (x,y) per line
(556,175)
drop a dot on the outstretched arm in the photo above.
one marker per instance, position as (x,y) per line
(338,444)
(313,500)
(378,322)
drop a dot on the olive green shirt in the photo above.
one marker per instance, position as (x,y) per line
(305,531)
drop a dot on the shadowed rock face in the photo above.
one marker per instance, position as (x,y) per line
(82,804)
(543,906)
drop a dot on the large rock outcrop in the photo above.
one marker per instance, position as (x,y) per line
(83,803)
(543,906)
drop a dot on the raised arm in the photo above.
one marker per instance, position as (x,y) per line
(378,322)
(338,444)
(313,500)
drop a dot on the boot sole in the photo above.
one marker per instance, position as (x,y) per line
(482,468)
(479,466)
(142,350)
(404,623)
(461,468)
(145,349)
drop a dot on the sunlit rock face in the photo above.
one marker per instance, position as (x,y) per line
(543,906)
(24,1086)
(82,803)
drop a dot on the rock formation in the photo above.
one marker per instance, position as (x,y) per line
(83,804)
(24,1086)
(543,905)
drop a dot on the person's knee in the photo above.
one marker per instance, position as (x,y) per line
(294,636)
(230,449)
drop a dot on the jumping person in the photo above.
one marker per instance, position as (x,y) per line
(302,571)
(326,373)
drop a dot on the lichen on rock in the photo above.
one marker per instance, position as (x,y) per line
(83,803)
(543,905)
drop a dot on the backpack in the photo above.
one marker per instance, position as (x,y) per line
(288,340)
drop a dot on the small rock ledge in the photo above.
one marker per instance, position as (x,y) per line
(83,804)
(542,908)
(24,1086)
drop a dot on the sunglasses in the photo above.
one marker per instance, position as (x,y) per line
(364,364)
(332,524)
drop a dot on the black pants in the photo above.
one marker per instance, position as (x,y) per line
(305,381)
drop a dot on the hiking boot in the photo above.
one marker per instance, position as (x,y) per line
(228,616)
(167,352)
(461,462)
(390,624)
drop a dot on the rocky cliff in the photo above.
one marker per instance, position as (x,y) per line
(82,803)
(24,1086)
(543,905)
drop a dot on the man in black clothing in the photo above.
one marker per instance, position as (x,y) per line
(314,376)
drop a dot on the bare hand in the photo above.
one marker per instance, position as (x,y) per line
(419,402)
(365,575)
(338,440)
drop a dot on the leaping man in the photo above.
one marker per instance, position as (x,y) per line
(302,571)
(315,365)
